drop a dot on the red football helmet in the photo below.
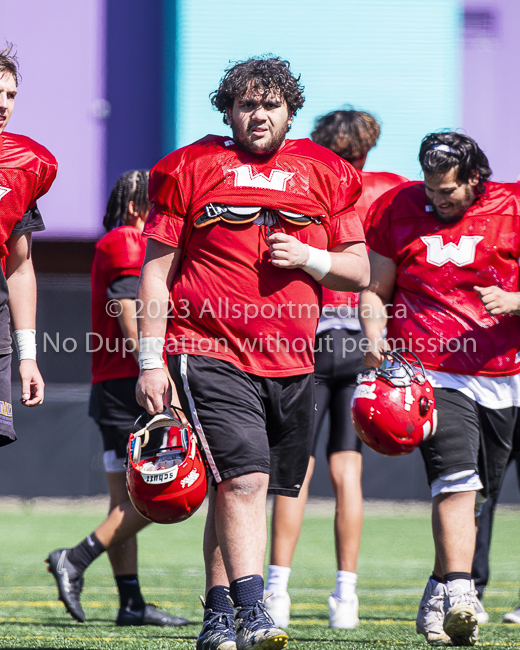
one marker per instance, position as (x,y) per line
(169,484)
(393,408)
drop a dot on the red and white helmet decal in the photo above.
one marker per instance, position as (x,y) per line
(393,408)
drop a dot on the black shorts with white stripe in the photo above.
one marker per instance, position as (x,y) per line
(469,436)
(246,423)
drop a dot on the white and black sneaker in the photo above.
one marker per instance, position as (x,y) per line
(149,615)
(430,617)
(460,612)
(218,632)
(69,580)
(255,629)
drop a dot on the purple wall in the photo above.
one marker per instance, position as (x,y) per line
(61,103)
(491,87)
(134,36)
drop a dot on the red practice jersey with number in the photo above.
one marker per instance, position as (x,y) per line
(436,310)
(120,252)
(374,185)
(27,171)
(230,302)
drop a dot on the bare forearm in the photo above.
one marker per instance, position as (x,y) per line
(22,298)
(152,292)
(128,323)
(349,271)
(159,268)
(372,314)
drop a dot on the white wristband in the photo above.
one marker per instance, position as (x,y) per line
(318,263)
(151,352)
(25,344)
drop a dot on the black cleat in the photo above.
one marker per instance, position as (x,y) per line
(69,581)
(150,615)
(217,631)
(256,629)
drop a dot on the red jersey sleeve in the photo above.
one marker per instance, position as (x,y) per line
(377,225)
(47,171)
(167,189)
(345,224)
(346,228)
(122,253)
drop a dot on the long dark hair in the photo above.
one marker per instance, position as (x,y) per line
(131,186)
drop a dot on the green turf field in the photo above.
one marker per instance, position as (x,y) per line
(396,558)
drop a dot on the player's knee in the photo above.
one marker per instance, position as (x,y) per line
(345,469)
(245,486)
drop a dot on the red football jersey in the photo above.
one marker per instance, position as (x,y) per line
(27,171)
(120,252)
(374,185)
(436,312)
(230,302)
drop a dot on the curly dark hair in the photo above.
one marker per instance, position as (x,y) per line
(264,74)
(349,133)
(9,62)
(441,152)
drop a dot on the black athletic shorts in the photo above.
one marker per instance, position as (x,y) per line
(339,359)
(469,436)
(115,410)
(7,434)
(248,423)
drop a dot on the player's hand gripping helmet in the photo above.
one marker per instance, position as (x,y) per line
(393,408)
(166,485)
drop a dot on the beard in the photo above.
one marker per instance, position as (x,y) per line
(460,208)
(245,140)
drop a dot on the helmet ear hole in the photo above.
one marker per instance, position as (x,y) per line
(424,405)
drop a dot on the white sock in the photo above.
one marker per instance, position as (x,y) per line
(345,584)
(277,578)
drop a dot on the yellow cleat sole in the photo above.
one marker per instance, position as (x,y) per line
(461,625)
(275,643)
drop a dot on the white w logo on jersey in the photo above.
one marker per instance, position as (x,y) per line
(277,180)
(4,191)
(460,254)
